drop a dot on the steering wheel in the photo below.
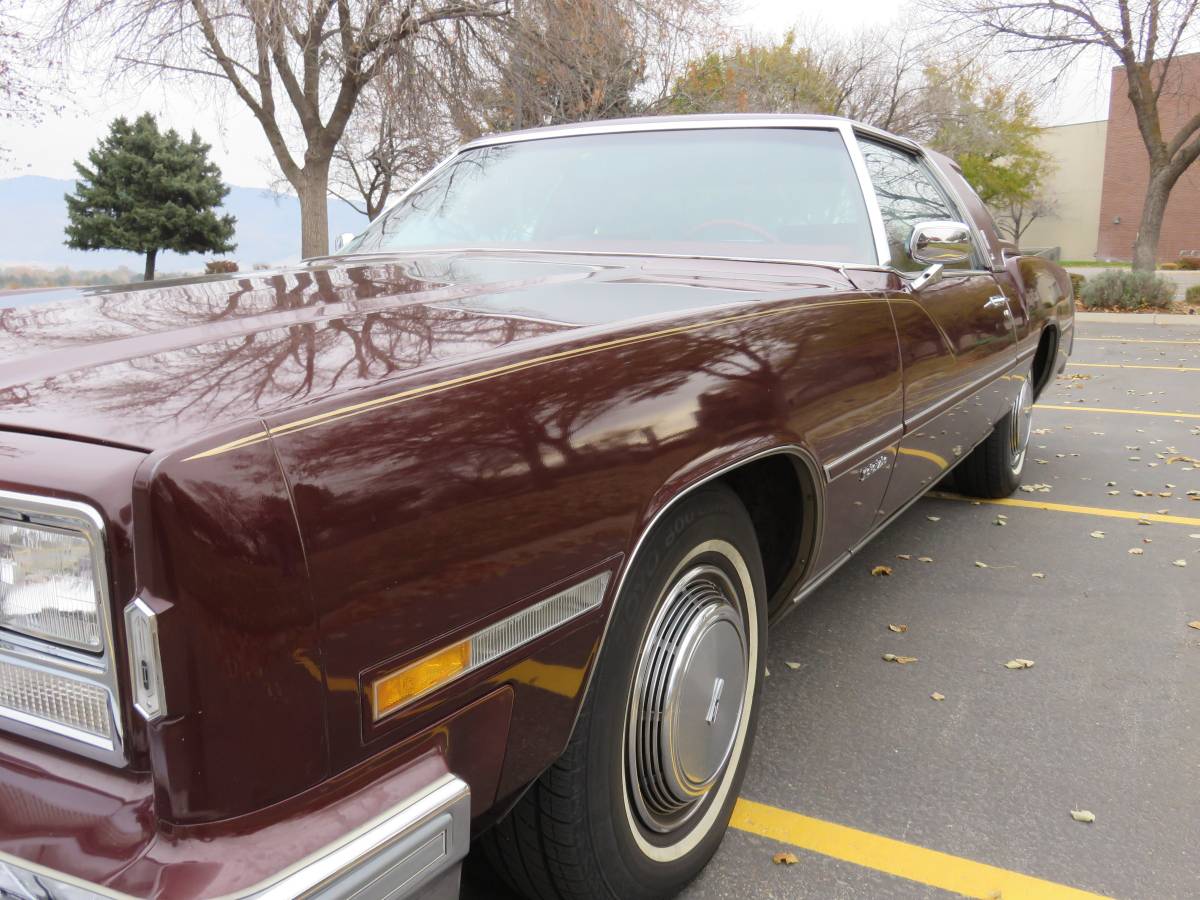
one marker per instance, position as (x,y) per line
(736,223)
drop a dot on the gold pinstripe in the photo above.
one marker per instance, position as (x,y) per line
(355,409)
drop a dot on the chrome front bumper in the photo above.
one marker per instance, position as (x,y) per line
(414,848)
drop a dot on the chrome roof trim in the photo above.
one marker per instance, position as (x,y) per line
(683,123)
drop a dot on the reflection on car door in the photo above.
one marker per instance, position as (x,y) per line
(957,340)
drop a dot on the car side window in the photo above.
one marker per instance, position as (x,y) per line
(907,194)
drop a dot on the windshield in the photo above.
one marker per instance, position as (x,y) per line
(772,193)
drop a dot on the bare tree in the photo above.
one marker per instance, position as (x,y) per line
(1014,218)
(1144,36)
(300,66)
(562,61)
(550,61)
(398,132)
(880,76)
(18,94)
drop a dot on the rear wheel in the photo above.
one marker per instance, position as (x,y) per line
(643,794)
(994,468)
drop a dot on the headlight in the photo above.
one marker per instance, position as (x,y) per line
(48,585)
(58,669)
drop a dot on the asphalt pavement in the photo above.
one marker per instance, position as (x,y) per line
(879,790)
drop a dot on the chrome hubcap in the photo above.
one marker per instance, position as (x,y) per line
(688,699)
(1022,417)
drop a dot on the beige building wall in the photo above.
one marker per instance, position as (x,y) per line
(1078,153)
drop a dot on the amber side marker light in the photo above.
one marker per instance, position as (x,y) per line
(392,691)
(395,689)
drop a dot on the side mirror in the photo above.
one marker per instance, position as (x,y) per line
(940,241)
(342,240)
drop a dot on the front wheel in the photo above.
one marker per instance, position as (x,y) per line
(994,467)
(642,796)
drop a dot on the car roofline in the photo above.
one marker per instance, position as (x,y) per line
(686,123)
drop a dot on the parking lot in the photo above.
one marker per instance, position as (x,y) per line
(879,790)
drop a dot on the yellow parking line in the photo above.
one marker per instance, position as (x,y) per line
(1129,412)
(1080,510)
(1079,365)
(1134,341)
(873,851)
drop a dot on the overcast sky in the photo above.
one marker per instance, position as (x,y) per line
(241,151)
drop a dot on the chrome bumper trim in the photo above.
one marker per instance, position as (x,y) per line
(417,846)
(392,856)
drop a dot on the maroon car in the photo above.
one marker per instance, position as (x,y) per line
(472,532)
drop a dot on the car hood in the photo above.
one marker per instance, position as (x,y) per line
(153,365)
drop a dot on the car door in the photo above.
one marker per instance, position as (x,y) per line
(957,340)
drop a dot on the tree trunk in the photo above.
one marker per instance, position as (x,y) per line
(314,210)
(1145,245)
(150,255)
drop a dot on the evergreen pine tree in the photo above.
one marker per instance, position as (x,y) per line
(146,191)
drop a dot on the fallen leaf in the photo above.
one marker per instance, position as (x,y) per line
(1136,551)
(1113,493)
(1083,815)
(881,570)
(792,665)
(1195,624)
(1097,534)
(936,696)
(980,565)
(790,859)
(1019,664)
(934,518)
(1180,562)
(903,660)
(928,559)
(903,556)
(1039,574)
(1000,522)
(899,629)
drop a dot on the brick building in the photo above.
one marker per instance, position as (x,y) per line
(1127,170)
(1106,230)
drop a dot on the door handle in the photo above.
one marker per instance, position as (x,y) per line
(996,302)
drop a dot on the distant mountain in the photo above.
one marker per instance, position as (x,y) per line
(33,215)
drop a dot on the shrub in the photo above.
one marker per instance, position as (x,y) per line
(218,266)
(1191,262)
(1076,284)
(1126,289)
(1193,294)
